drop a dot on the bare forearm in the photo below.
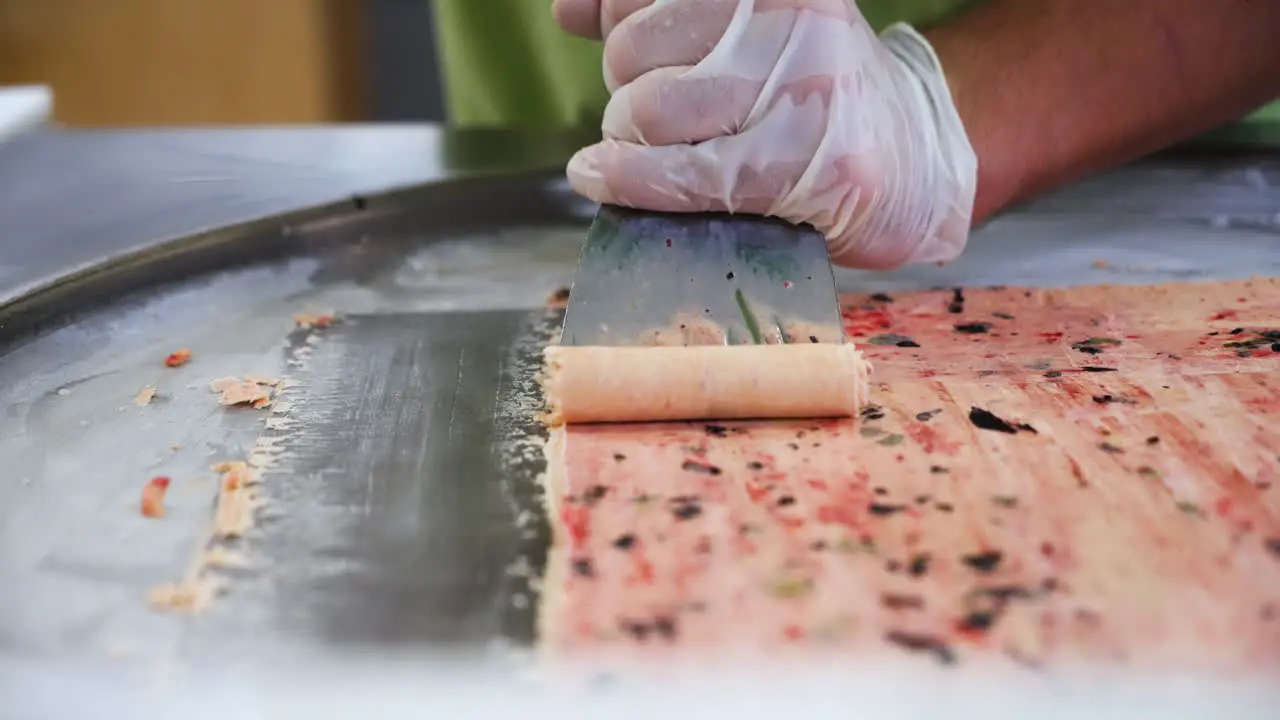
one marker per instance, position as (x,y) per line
(1051,90)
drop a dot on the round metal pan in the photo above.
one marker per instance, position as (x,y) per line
(396,518)
(459,267)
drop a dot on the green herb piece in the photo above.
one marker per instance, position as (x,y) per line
(1190,508)
(791,586)
(753,326)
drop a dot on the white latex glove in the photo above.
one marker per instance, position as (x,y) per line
(789,108)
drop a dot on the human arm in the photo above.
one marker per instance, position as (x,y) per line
(1053,90)
(705,114)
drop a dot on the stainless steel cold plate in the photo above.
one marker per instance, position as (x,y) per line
(393,520)
(392,513)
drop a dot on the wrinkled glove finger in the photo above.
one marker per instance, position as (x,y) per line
(668,107)
(613,12)
(578,17)
(726,175)
(683,32)
(675,105)
(665,34)
(679,178)
(593,19)
(722,175)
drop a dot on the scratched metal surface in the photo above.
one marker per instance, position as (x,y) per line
(395,514)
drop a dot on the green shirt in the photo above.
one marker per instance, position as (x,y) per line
(525,71)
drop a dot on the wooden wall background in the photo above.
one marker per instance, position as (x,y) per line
(177,62)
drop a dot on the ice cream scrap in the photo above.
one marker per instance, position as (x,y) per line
(308,322)
(558,298)
(189,596)
(237,500)
(224,559)
(265,451)
(238,497)
(178,358)
(233,518)
(145,396)
(251,390)
(153,497)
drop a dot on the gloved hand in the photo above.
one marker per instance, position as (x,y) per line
(789,108)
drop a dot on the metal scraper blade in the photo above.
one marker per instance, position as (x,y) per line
(701,278)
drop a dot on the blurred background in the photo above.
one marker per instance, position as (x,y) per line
(120,63)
